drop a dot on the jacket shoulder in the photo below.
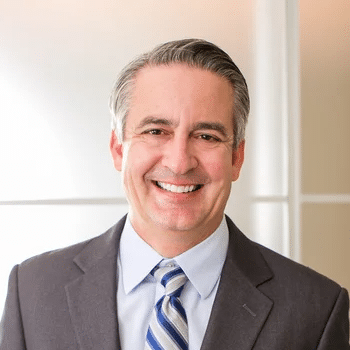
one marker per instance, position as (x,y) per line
(263,265)
(53,261)
(62,265)
(295,275)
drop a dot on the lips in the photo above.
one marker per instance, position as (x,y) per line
(178,189)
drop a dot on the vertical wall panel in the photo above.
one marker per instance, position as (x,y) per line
(325,105)
(271,226)
(270,138)
(326,240)
(325,88)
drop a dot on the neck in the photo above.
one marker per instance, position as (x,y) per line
(171,243)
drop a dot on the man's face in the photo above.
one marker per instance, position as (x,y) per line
(176,159)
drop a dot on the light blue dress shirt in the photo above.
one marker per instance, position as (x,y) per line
(138,291)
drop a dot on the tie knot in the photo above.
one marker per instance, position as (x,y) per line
(172,278)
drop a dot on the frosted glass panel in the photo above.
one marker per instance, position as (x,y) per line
(58,62)
(30,230)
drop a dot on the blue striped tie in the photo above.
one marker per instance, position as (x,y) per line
(168,328)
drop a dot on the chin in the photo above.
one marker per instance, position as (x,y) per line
(179,223)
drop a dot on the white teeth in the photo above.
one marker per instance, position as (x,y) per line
(176,189)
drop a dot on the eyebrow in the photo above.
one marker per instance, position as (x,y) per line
(199,126)
(212,126)
(155,120)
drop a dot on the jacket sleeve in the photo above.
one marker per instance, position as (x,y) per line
(336,332)
(11,327)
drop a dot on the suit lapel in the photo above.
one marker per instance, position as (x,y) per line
(238,313)
(92,296)
(239,309)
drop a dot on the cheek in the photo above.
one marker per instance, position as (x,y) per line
(138,160)
(218,166)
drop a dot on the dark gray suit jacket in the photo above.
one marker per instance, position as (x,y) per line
(66,299)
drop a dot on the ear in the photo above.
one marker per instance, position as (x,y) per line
(116,148)
(237,160)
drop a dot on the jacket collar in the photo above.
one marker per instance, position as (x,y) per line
(238,313)
(92,296)
(240,309)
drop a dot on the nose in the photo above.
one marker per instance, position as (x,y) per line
(179,155)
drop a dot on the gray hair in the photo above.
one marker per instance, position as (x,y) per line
(195,53)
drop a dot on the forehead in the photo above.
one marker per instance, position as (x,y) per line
(176,74)
(180,89)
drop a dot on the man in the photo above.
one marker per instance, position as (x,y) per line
(175,273)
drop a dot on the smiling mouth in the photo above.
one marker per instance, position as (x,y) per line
(178,189)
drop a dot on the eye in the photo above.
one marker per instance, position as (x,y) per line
(154,132)
(209,138)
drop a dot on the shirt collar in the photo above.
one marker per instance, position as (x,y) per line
(202,264)
(137,258)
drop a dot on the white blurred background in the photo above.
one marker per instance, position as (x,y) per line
(58,62)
